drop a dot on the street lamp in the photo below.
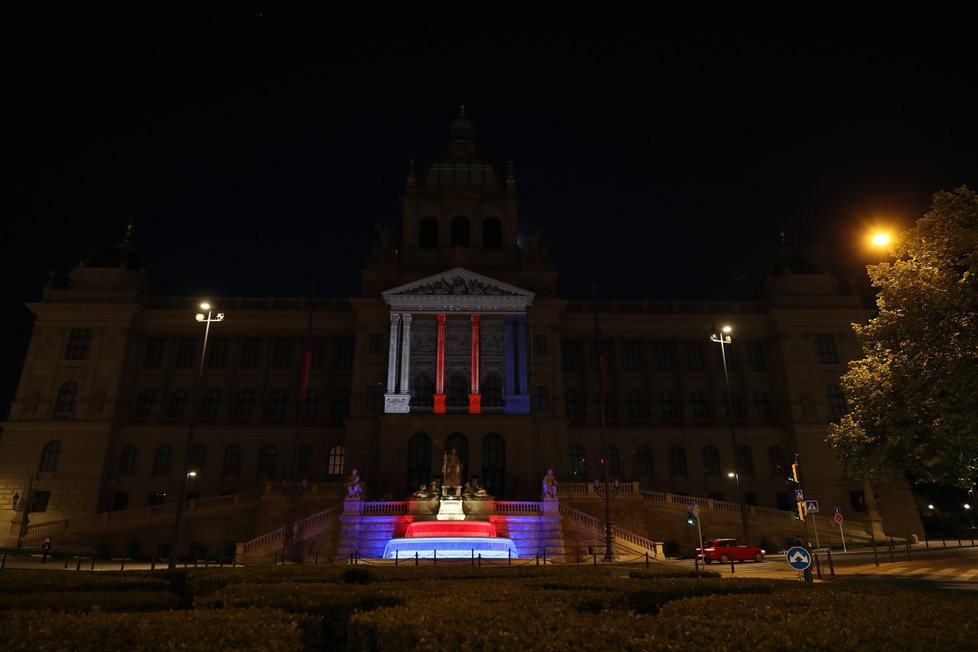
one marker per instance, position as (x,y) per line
(723,339)
(188,473)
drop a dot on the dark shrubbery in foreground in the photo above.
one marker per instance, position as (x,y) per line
(464,608)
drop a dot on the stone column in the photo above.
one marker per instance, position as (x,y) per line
(517,399)
(392,354)
(405,354)
(395,402)
(475,399)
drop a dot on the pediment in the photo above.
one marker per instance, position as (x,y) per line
(458,290)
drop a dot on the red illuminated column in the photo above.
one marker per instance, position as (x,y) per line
(475,399)
(440,367)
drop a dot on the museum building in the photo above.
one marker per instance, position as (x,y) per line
(457,341)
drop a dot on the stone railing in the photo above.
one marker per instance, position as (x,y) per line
(632,542)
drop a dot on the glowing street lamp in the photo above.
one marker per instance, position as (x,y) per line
(189,473)
(723,339)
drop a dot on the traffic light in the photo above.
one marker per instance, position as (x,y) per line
(801,511)
(690,517)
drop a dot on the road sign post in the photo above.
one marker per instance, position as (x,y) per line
(839,519)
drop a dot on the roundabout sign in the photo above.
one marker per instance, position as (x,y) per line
(798,558)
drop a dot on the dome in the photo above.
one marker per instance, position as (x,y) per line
(122,257)
(462,165)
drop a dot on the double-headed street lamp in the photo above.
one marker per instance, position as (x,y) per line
(723,339)
(207,320)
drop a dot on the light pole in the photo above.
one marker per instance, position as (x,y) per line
(723,339)
(207,320)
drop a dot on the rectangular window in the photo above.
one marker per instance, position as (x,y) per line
(375,345)
(283,356)
(694,356)
(154,353)
(540,345)
(186,352)
(318,354)
(220,352)
(825,351)
(755,357)
(541,398)
(570,356)
(661,356)
(251,354)
(79,343)
(631,356)
(344,353)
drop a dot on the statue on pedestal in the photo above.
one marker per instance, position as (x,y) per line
(353,487)
(549,486)
(451,473)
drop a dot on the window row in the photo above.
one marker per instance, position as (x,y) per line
(243,406)
(254,353)
(644,467)
(232,462)
(460,233)
(492,473)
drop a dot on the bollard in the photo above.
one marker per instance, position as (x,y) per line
(544,555)
(66,564)
(875,557)
(78,563)
(122,564)
(416,560)
(731,564)
(818,565)
(397,554)
(537,558)
(3,559)
(831,565)
(152,564)
(480,560)
(595,556)
(646,559)
(509,557)
(908,549)
(891,549)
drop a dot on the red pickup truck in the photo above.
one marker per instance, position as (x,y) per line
(727,550)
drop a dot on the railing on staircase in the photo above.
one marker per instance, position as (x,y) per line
(625,540)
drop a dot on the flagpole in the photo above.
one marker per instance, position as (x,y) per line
(608,532)
(293,497)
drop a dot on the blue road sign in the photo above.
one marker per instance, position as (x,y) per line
(691,504)
(799,495)
(811,506)
(798,558)
(838,510)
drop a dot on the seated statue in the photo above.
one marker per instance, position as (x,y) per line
(549,486)
(353,488)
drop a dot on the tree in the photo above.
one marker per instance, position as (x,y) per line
(913,397)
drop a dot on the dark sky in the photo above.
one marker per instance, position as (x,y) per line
(660,154)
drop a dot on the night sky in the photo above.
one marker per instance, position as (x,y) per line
(660,155)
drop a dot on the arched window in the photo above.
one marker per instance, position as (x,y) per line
(278,403)
(677,461)
(461,233)
(419,460)
(422,393)
(178,404)
(336,460)
(458,392)
(49,457)
(636,406)
(732,401)
(428,234)
(341,405)
(492,391)
(776,459)
(144,403)
(267,462)
(494,464)
(198,457)
(745,461)
(163,460)
(303,460)
(762,403)
(492,233)
(64,403)
(711,461)
(700,405)
(460,443)
(644,466)
(836,402)
(613,460)
(578,463)
(573,406)
(233,458)
(311,405)
(668,407)
(127,461)
(244,404)
(210,404)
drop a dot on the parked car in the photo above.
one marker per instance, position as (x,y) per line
(727,550)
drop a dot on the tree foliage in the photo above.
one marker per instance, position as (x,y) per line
(913,397)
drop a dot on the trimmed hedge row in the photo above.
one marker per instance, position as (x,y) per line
(41,582)
(78,601)
(241,630)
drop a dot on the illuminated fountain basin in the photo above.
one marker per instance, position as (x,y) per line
(450,540)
